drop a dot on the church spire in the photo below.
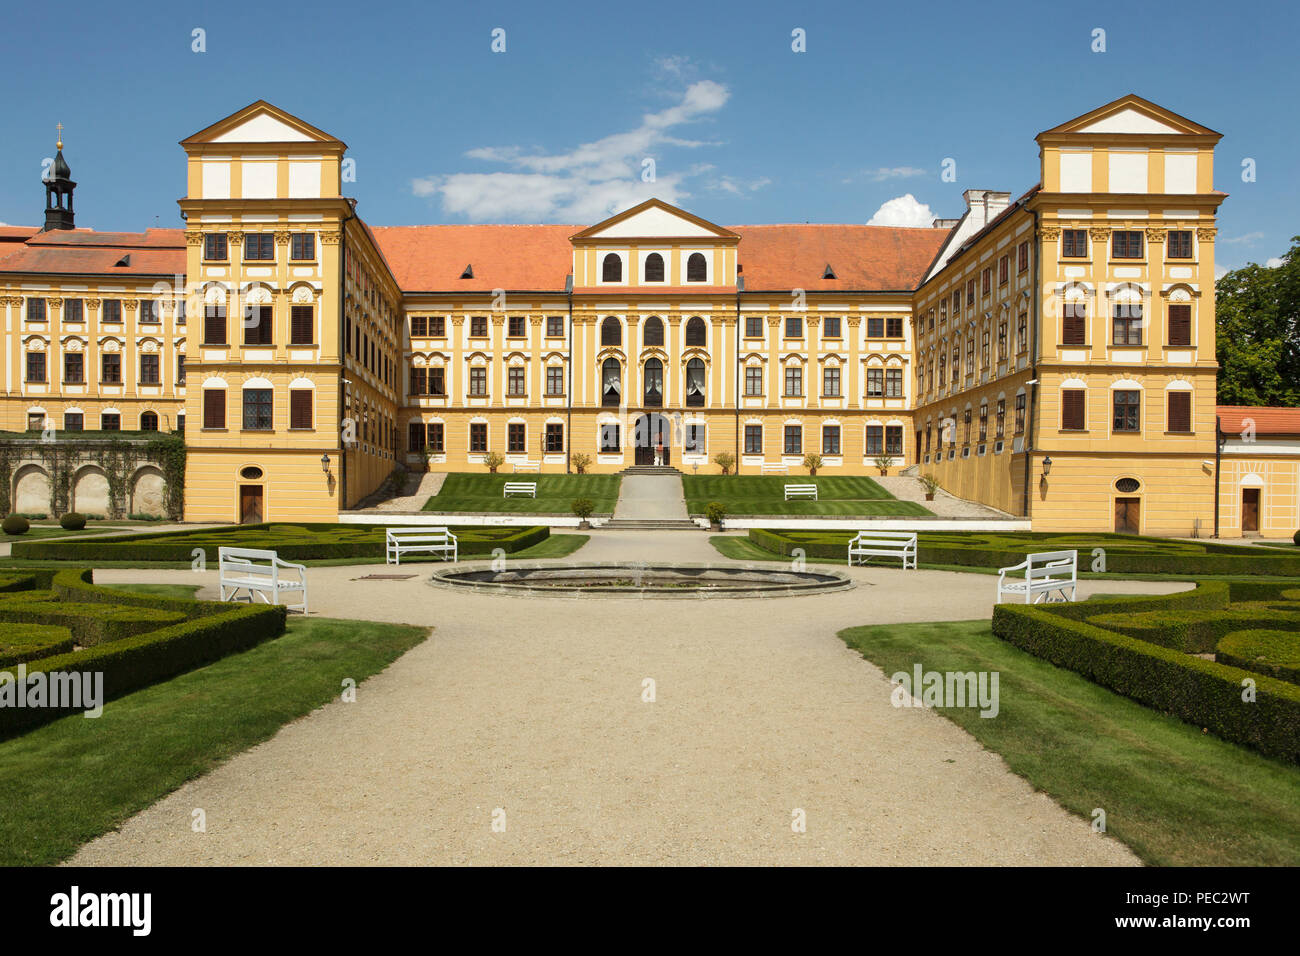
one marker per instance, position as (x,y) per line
(58,189)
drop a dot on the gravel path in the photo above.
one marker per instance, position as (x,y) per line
(534,706)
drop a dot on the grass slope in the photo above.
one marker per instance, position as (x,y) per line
(69,781)
(463,492)
(1174,795)
(765,495)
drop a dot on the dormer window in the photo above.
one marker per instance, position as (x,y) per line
(654,267)
(611,269)
(697,269)
(468,273)
(829,273)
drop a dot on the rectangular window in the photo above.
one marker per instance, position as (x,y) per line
(437,384)
(214,408)
(831,382)
(794,439)
(609,437)
(180,370)
(970,355)
(435,437)
(516,437)
(965,420)
(830,439)
(35,309)
(555,380)
(893,439)
(1127,324)
(259,246)
(214,247)
(478,381)
(875,440)
(793,327)
(74,368)
(1074,243)
(1126,244)
(753,439)
(415,437)
(1128,406)
(753,326)
(149,368)
(831,327)
(74,310)
(515,381)
(1073,409)
(555,326)
(1002,340)
(1180,411)
(986,282)
(1022,257)
(257,325)
(419,326)
(1074,324)
(180,311)
(110,422)
(149,310)
(956,303)
(302,325)
(110,368)
(214,325)
(74,421)
(515,326)
(1001,422)
(875,383)
(419,381)
(300,412)
(695,440)
(35,366)
(894,327)
(257,409)
(554,438)
(1020,414)
(893,383)
(1179,244)
(794,381)
(478,326)
(478,439)
(112,310)
(1180,325)
(875,327)
(753,380)
(1003,269)
(1022,333)
(302,246)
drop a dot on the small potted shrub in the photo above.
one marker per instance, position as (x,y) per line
(582,509)
(812,462)
(73,521)
(883,462)
(1296,538)
(15,525)
(725,460)
(494,460)
(931,484)
(715,511)
(581,462)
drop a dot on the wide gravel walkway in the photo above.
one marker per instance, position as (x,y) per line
(534,706)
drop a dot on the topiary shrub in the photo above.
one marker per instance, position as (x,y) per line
(15,524)
(73,521)
(494,460)
(1296,538)
(582,461)
(715,511)
(583,507)
(725,460)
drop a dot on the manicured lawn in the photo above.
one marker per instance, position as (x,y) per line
(70,781)
(52,531)
(765,495)
(182,592)
(1174,795)
(463,492)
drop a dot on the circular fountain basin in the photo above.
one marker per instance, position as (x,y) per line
(638,580)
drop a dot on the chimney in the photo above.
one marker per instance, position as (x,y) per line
(985,205)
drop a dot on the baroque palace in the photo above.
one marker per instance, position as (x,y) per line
(1052,356)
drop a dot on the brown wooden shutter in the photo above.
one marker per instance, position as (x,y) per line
(300,407)
(1074,329)
(214,408)
(1180,411)
(1180,325)
(1072,409)
(301,325)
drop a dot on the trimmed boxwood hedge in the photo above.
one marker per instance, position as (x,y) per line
(1205,693)
(1125,554)
(1276,653)
(27,642)
(292,542)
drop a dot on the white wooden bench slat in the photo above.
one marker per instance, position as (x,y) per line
(800,491)
(884,544)
(1044,573)
(259,573)
(438,540)
(519,488)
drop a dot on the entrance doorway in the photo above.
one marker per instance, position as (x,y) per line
(1249,510)
(250,504)
(1128,515)
(650,432)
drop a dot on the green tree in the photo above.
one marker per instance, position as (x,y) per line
(1257,314)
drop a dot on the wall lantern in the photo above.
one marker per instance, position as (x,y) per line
(325,463)
(1047,466)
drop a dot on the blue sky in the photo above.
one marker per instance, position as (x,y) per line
(556,128)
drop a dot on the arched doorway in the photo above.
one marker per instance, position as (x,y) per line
(648,433)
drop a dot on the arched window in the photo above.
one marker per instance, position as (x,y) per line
(654,331)
(654,382)
(695,331)
(611,387)
(611,269)
(149,422)
(611,333)
(695,382)
(654,267)
(697,270)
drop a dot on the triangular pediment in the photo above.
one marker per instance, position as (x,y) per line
(655,219)
(1130,115)
(260,122)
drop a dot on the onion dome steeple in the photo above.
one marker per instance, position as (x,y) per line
(58,190)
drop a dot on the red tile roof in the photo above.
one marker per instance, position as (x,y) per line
(863,258)
(1268,419)
(86,252)
(432,258)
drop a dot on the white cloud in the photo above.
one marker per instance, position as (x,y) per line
(895,172)
(739,187)
(1248,239)
(1274,263)
(903,210)
(1220,271)
(584,184)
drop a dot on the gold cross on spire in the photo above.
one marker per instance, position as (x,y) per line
(59,126)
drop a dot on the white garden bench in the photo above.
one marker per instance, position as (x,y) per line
(774,469)
(528,488)
(1044,574)
(884,544)
(400,541)
(262,574)
(800,491)
(527,466)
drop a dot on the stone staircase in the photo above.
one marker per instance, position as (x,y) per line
(650,470)
(650,524)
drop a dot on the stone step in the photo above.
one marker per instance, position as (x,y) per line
(650,470)
(650,524)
